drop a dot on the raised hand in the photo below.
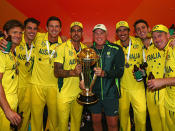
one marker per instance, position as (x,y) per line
(3,44)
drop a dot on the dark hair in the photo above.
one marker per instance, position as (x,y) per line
(53,18)
(33,20)
(11,24)
(140,21)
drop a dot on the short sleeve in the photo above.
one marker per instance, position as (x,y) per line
(60,54)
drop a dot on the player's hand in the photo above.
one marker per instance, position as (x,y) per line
(3,43)
(78,69)
(155,84)
(99,72)
(13,117)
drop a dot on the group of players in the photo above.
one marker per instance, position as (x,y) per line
(41,69)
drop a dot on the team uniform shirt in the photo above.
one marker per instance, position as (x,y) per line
(24,69)
(25,59)
(156,64)
(145,52)
(9,84)
(170,72)
(135,58)
(68,87)
(43,69)
(156,61)
(8,68)
(132,92)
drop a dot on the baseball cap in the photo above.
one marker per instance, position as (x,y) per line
(100,26)
(76,23)
(122,23)
(160,28)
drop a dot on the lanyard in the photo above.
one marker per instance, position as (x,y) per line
(30,52)
(16,63)
(129,50)
(144,54)
(74,52)
(53,52)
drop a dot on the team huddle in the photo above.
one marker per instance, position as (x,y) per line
(38,69)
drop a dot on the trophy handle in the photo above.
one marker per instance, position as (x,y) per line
(94,77)
(82,76)
(93,82)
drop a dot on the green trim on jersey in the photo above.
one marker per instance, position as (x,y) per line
(60,83)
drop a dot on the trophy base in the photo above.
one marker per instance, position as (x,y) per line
(87,98)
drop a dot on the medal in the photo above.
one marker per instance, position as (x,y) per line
(127,65)
(51,54)
(28,55)
(27,63)
(128,54)
(17,71)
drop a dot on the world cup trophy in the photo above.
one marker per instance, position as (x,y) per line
(87,58)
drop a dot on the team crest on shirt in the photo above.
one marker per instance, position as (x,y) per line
(70,53)
(21,47)
(169,69)
(135,46)
(14,67)
(43,44)
(108,54)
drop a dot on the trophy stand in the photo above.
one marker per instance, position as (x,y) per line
(87,58)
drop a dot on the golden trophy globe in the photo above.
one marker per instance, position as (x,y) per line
(87,58)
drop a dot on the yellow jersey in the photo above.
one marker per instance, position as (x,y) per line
(25,68)
(43,68)
(156,64)
(135,58)
(69,87)
(170,72)
(156,61)
(8,69)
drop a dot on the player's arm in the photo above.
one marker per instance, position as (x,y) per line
(11,115)
(155,84)
(60,72)
(169,81)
